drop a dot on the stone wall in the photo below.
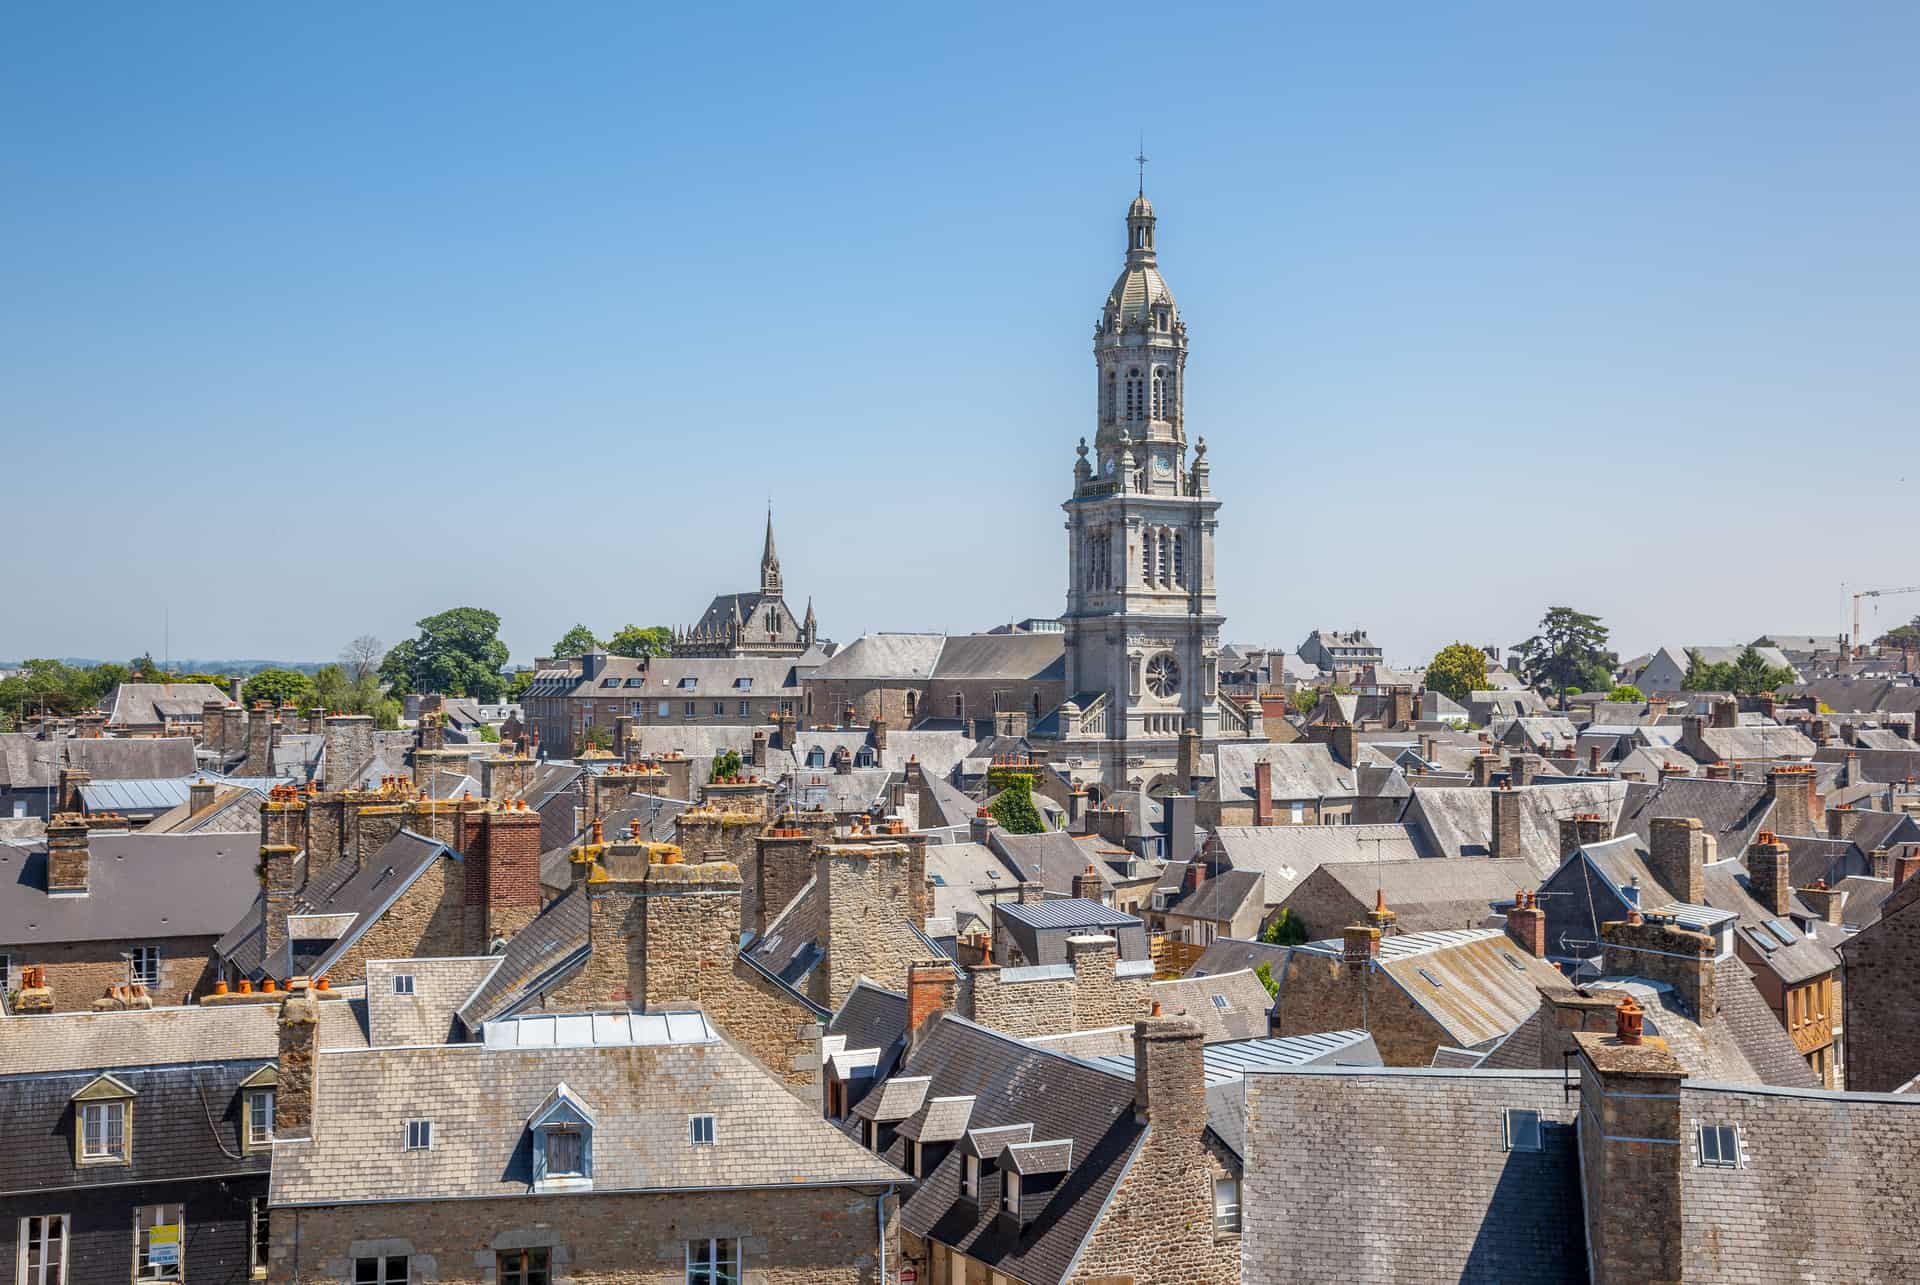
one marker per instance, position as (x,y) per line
(428,921)
(868,901)
(1026,1006)
(1879,979)
(788,1236)
(78,973)
(1322,994)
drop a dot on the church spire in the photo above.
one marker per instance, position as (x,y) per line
(769,562)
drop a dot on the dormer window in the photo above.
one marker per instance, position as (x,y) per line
(103,1122)
(816,757)
(562,1128)
(256,1109)
(1010,1192)
(970,1178)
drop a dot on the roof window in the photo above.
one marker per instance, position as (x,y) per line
(1719,1146)
(1522,1129)
(1429,976)
(700,1129)
(419,1135)
(1220,1002)
(609,682)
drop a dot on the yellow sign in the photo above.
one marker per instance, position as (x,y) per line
(163,1244)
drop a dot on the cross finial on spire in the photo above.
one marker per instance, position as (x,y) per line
(1140,158)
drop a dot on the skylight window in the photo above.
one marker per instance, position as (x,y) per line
(1220,1002)
(1719,1146)
(1522,1129)
(1786,935)
(1513,961)
(1429,976)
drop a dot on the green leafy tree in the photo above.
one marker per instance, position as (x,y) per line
(457,653)
(145,666)
(725,764)
(278,687)
(577,641)
(637,641)
(1752,674)
(488,733)
(48,686)
(1265,974)
(1900,635)
(1285,930)
(1014,808)
(96,684)
(593,737)
(1458,670)
(1626,693)
(518,682)
(1568,652)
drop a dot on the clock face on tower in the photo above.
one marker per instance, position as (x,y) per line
(1162,466)
(1109,466)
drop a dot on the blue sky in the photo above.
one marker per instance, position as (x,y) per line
(318,321)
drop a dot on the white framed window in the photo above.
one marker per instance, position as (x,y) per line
(145,966)
(689,710)
(1220,1002)
(1298,814)
(746,709)
(1226,1205)
(403,983)
(259,1117)
(666,710)
(1719,1146)
(43,1250)
(391,1270)
(637,709)
(1522,1129)
(970,1178)
(419,1135)
(1010,1192)
(159,1242)
(700,1130)
(259,1238)
(719,709)
(103,1132)
(713,1262)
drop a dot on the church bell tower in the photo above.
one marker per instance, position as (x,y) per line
(1142,628)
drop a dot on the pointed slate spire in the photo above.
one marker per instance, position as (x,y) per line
(769,562)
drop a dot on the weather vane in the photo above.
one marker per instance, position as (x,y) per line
(1141,158)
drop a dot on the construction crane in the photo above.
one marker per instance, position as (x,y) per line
(1854,639)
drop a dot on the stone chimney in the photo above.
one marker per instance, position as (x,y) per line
(429,734)
(1186,769)
(259,741)
(506,775)
(1632,1153)
(1850,771)
(1716,772)
(1768,874)
(783,862)
(1262,792)
(299,1064)
(859,884)
(1093,957)
(1843,820)
(1670,770)
(1169,1076)
(235,685)
(1485,764)
(200,795)
(1824,902)
(1656,947)
(1527,924)
(1522,768)
(1593,760)
(1790,786)
(502,892)
(746,795)
(980,828)
(70,798)
(1726,713)
(1359,946)
(786,728)
(877,734)
(842,761)
(348,746)
(1089,885)
(213,725)
(1344,740)
(1505,843)
(67,855)
(1400,708)
(1906,865)
(1677,857)
(758,755)
(279,886)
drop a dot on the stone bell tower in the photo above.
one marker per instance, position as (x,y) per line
(1143,631)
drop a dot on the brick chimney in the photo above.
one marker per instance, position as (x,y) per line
(299,1065)
(1262,792)
(1195,875)
(1716,772)
(1824,902)
(259,740)
(1344,741)
(1505,843)
(1656,947)
(1906,865)
(1400,705)
(931,988)
(1790,786)
(980,828)
(758,755)
(1768,874)
(1169,1077)
(67,855)
(502,893)
(1677,857)
(1527,924)
(1359,945)
(1726,713)
(1485,764)
(1880,863)
(1632,1152)
(1593,760)
(71,780)
(1670,770)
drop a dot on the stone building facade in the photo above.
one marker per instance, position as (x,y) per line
(1880,971)
(1089,992)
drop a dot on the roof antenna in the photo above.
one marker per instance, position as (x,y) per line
(1141,159)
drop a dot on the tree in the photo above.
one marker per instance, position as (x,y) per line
(278,687)
(458,653)
(1457,671)
(488,733)
(593,737)
(635,641)
(725,764)
(145,666)
(577,641)
(518,682)
(1752,674)
(1285,930)
(1900,635)
(1626,693)
(1569,651)
(1014,809)
(1265,974)
(361,657)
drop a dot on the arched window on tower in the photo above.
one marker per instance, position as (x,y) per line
(912,702)
(1166,556)
(1179,560)
(1134,396)
(960,708)
(1107,407)
(1147,544)
(1036,704)
(1159,393)
(1173,400)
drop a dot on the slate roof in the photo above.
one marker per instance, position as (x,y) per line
(149,887)
(1475,983)
(1427,894)
(1041,928)
(480,1097)
(362,891)
(428,1015)
(1864,895)
(1459,823)
(1731,811)
(1230,955)
(877,656)
(1052,859)
(1016,657)
(1287,854)
(870,1017)
(1303,770)
(537,957)
(143,704)
(1015,1084)
(1821,1191)
(1223,896)
(1422,1187)
(1756,743)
